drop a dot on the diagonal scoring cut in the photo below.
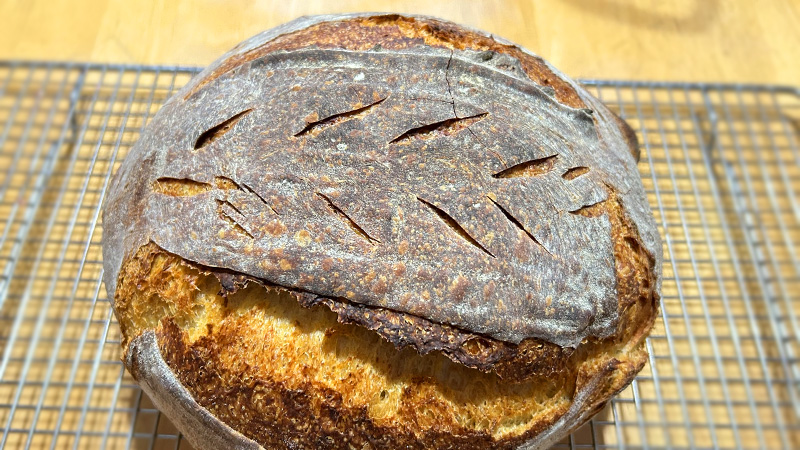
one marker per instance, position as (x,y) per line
(346,219)
(575,172)
(455,226)
(180,187)
(316,127)
(228,217)
(593,210)
(217,131)
(442,128)
(532,168)
(518,224)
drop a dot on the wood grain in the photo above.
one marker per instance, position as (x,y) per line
(690,40)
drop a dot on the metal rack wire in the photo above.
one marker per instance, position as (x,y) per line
(721,165)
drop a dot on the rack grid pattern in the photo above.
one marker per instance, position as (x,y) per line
(720,163)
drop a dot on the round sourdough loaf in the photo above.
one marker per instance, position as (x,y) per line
(378,231)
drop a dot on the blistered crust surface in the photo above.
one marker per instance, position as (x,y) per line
(448,193)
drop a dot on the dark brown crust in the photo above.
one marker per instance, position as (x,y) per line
(145,362)
(532,357)
(411,209)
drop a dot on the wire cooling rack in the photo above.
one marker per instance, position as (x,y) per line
(720,163)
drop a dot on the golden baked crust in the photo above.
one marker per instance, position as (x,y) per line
(289,369)
(293,377)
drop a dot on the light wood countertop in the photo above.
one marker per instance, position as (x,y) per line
(681,40)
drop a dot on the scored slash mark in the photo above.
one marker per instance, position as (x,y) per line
(225,215)
(455,226)
(263,200)
(180,187)
(316,127)
(442,128)
(346,219)
(226,183)
(593,210)
(519,225)
(574,172)
(217,131)
(532,168)
(445,127)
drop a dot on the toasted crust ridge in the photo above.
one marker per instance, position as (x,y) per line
(389,32)
(220,343)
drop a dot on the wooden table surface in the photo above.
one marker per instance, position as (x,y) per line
(682,40)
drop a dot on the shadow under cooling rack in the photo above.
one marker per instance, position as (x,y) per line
(720,163)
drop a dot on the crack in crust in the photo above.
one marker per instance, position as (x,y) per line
(278,415)
(395,32)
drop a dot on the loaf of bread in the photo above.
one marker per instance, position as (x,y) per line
(378,231)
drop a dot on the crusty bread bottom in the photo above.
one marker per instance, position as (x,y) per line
(291,377)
